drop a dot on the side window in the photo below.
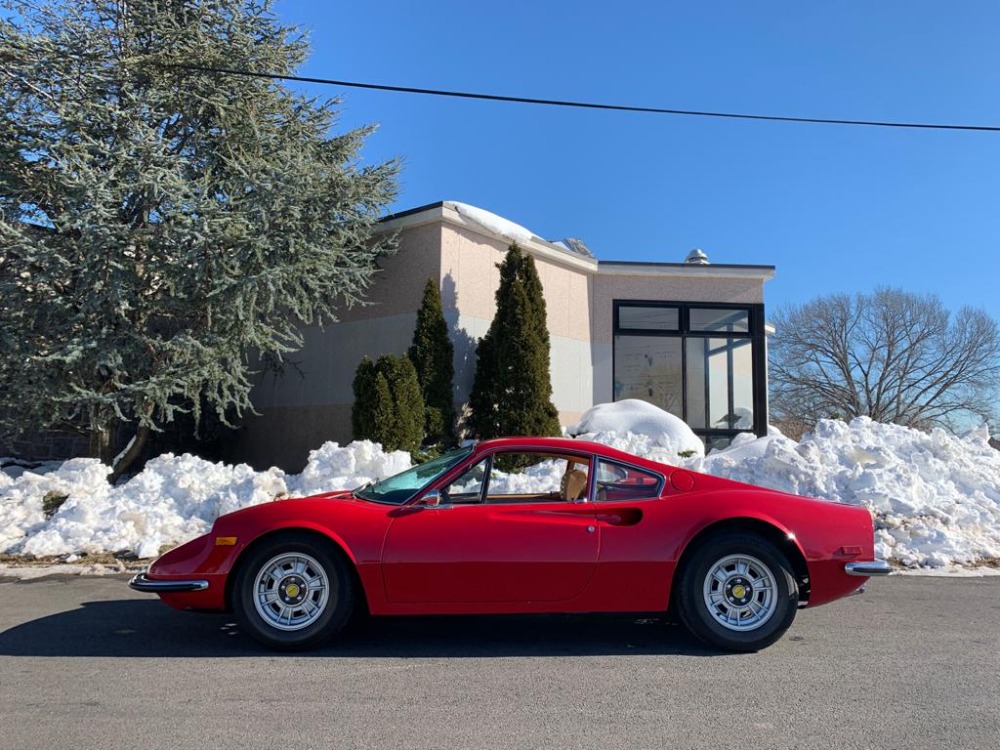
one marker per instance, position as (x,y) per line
(468,488)
(537,477)
(623,482)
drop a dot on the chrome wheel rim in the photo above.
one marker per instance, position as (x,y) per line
(740,592)
(291,591)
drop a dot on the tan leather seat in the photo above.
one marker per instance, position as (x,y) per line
(573,485)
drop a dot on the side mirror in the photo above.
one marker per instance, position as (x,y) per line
(432,499)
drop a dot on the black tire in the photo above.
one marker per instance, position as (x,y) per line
(299,561)
(703,602)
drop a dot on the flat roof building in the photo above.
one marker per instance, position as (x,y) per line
(688,337)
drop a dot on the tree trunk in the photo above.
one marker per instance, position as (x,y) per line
(102,443)
(131,453)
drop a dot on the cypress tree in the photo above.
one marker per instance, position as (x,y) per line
(409,405)
(432,354)
(512,388)
(383,414)
(363,410)
(388,407)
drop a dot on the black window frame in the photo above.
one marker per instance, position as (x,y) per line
(758,353)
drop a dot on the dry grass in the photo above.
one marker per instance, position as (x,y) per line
(126,559)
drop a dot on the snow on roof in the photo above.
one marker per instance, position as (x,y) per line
(494,223)
(515,232)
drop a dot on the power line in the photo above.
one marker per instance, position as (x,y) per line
(584,105)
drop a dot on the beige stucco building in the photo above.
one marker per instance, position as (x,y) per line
(688,337)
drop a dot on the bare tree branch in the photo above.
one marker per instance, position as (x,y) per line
(891,355)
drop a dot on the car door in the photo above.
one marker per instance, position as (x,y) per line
(635,525)
(525,544)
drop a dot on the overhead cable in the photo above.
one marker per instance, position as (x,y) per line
(585,105)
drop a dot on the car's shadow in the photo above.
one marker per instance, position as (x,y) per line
(131,627)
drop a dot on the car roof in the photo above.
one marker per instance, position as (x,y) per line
(570,445)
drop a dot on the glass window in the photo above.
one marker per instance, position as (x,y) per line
(468,488)
(697,377)
(693,360)
(719,320)
(650,368)
(623,482)
(649,318)
(717,443)
(537,477)
(742,374)
(401,487)
(720,383)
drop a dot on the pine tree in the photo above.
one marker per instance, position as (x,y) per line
(512,388)
(159,226)
(432,354)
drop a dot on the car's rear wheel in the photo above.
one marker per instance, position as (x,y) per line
(737,592)
(293,592)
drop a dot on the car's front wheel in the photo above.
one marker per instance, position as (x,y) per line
(293,592)
(737,592)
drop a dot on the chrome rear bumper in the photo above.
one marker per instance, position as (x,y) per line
(143,583)
(868,569)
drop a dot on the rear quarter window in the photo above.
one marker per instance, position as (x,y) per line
(617,481)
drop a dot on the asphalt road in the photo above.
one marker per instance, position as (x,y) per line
(914,663)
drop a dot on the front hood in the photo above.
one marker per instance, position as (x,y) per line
(283,507)
(335,495)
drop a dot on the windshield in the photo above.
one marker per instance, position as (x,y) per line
(400,488)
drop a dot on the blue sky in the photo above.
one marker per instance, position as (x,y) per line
(833,208)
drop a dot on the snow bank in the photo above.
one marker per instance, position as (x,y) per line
(173,499)
(22,495)
(935,496)
(334,468)
(638,427)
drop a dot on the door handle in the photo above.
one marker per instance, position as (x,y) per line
(624,517)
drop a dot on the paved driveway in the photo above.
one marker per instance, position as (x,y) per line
(86,663)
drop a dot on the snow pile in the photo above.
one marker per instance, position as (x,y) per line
(935,496)
(638,427)
(334,468)
(22,495)
(173,499)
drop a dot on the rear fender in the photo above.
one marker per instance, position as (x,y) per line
(750,521)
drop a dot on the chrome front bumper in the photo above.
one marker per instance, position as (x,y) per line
(868,569)
(143,583)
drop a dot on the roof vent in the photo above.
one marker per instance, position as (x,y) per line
(696,258)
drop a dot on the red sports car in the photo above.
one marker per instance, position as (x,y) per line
(526,525)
